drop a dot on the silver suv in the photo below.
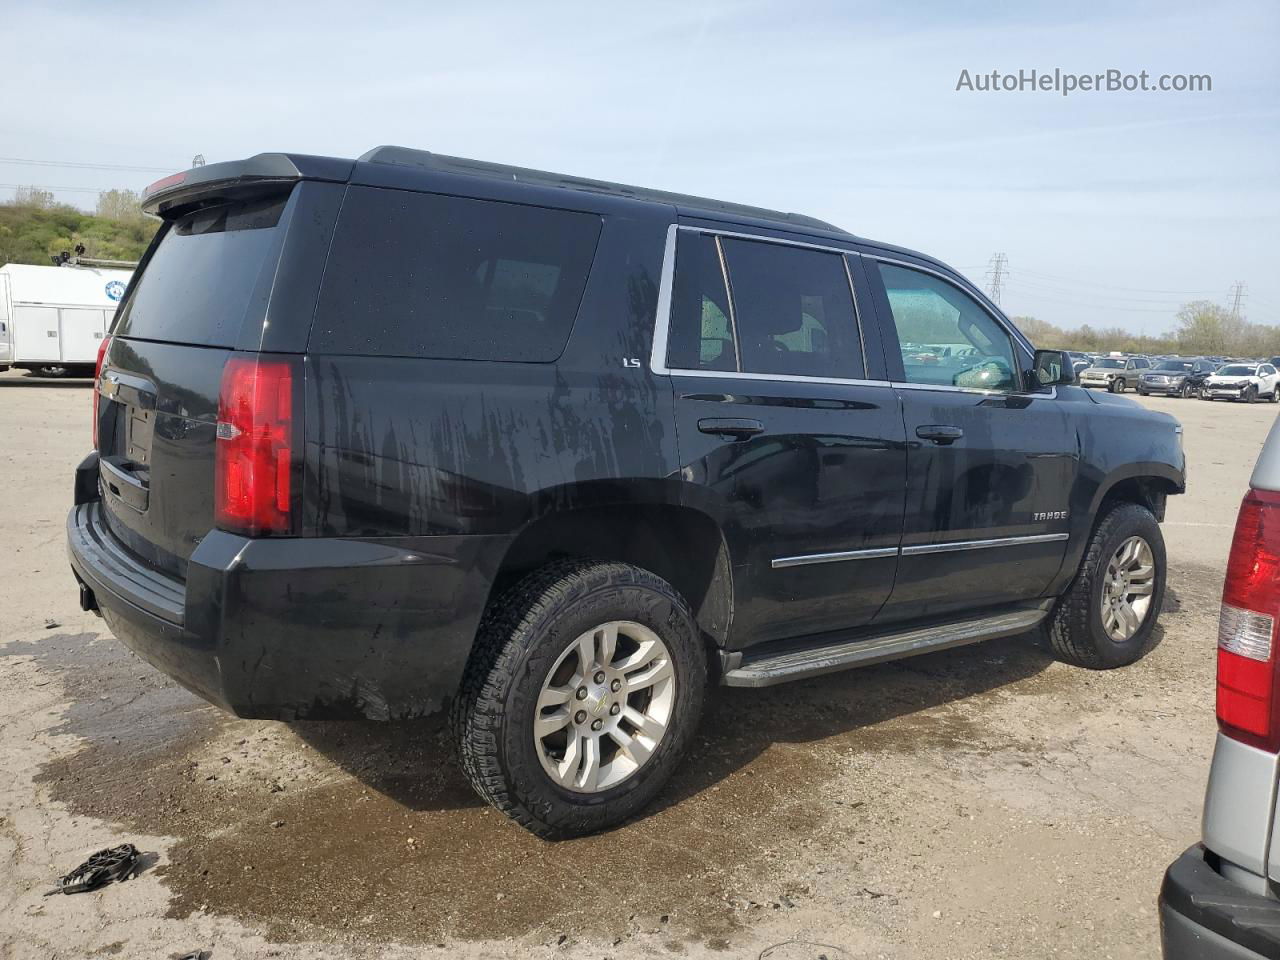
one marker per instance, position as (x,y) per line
(1222,897)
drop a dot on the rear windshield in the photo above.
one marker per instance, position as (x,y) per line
(423,275)
(201,280)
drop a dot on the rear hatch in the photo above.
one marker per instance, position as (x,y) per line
(232,270)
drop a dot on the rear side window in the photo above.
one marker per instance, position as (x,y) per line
(422,275)
(201,280)
(791,312)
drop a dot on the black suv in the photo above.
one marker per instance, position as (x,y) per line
(375,436)
(1176,378)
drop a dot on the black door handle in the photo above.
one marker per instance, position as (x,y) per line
(939,433)
(734,427)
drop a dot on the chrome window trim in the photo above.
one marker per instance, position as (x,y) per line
(1050,394)
(772,377)
(806,559)
(957,545)
(662,322)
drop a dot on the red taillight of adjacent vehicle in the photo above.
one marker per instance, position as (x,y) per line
(253,463)
(1248,686)
(97,378)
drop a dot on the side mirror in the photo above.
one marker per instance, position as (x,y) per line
(1052,368)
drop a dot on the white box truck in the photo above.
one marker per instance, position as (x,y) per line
(53,318)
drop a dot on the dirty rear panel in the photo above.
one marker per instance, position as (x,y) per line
(230,275)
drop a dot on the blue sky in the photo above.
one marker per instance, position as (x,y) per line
(1113,208)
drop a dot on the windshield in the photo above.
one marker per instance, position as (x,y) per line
(1237,370)
(1110,364)
(1173,366)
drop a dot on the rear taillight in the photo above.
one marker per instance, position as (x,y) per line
(97,377)
(253,464)
(1248,691)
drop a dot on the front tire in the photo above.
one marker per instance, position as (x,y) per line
(581,697)
(1251,394)
(1116,386)
(1106,617)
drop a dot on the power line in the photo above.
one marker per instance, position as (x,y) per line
(995,273)
(1112,286)
(45,186)
(85,166)
(1036,286)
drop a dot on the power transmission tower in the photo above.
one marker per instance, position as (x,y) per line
(197,160)
(1237,296)
(997,270)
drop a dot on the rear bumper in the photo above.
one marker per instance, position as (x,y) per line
(1205,916)
(292,628)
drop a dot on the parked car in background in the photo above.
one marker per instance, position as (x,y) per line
(1080,361)
(1243,381)
(1217,900)
(1117,374)
(1175,378)
(375,436)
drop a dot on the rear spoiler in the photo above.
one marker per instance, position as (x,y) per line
(198,186)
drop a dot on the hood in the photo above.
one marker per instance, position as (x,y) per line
(1102,370)
(1113,400)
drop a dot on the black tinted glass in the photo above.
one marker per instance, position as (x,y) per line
(200,282)
(793,310)
(422,275)
(701,336)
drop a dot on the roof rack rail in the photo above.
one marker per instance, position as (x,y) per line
(406,156)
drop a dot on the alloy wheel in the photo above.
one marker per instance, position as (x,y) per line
(604,706)
(1127,589)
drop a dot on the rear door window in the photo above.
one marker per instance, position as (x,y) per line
(424,275)
(791,312)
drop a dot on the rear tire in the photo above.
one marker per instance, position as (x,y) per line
(1076,628)
(555,783)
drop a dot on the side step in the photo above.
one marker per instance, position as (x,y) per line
(828,657)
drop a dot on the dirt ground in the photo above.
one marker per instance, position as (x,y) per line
(982,802)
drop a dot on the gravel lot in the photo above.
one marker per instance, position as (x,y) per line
(982,802)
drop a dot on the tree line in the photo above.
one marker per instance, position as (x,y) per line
(34,227)
(1202,328)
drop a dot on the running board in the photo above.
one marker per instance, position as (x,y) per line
(765,671)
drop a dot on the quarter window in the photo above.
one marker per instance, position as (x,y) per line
(946,338)
(423,275)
